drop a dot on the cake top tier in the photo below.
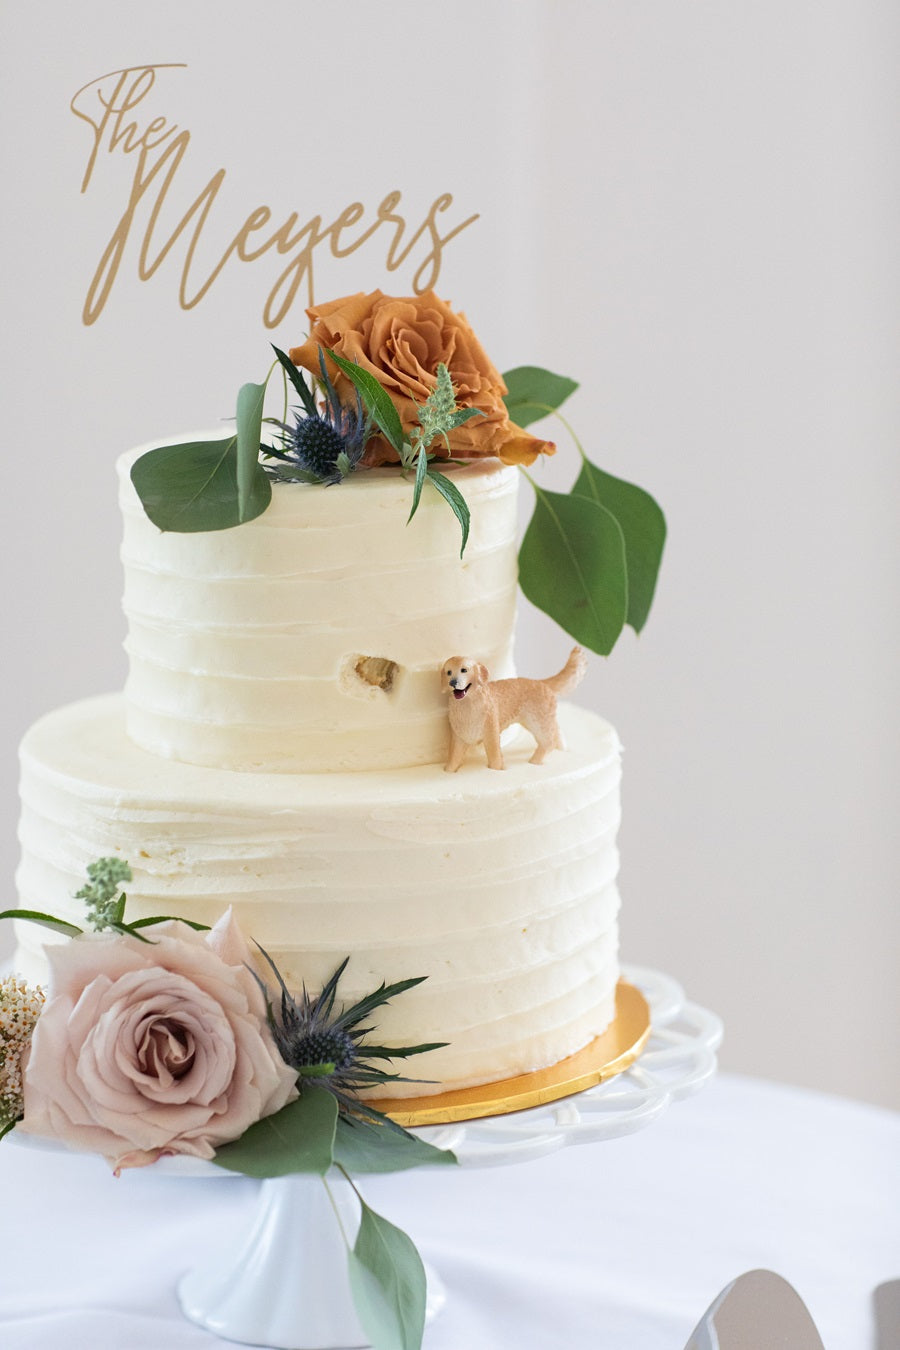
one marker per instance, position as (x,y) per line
(309,639)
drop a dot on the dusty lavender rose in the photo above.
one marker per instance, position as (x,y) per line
(148,1050)
(401,341)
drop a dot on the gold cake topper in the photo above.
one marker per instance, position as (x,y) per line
(111,106)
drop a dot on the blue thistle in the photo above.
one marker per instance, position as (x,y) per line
(325,442)
(329,1044)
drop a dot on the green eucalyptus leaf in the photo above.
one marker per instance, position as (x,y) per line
(421,472)
(451,494)
(299,383)
(533,393)
(169,918)
(375,398)
(193,487)
(45,920)
(298,1138)
(643,527)
(361,1146)
(387,1280)
(250,401)
(572,566)
(5,1127)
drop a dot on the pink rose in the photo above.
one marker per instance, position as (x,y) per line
(144,1050)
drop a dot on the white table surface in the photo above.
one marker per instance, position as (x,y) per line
(613,1246)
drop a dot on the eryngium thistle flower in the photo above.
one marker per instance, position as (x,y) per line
(329,1044)
(20,1008)
(325,443)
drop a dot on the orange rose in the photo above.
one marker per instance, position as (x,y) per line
(401,342)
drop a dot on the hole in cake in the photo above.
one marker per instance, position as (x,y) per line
(377,670)
(366,676)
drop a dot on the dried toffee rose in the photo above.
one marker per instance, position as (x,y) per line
(144,1050)
(401,342)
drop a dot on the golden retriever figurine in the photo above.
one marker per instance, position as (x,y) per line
(480,708)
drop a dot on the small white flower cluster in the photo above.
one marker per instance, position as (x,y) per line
(20,1008)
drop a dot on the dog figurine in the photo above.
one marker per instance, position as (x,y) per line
(480,708)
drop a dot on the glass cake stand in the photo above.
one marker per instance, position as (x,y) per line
(284,1284)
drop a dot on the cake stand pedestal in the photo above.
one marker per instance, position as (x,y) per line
(284,1284)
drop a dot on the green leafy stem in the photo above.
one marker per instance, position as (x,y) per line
(311,1136)
(589,559)
(105,904)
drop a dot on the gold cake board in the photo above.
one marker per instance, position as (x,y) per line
(611,1053)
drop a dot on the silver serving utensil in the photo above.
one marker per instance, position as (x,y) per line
(886,1301)
(757,1311)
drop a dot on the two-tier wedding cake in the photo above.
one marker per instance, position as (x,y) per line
(280,747)
(296,610)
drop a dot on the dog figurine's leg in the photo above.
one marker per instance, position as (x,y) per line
(492,744)
(457,754)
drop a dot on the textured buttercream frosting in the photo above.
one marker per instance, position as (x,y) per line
(309,638)
(500,887)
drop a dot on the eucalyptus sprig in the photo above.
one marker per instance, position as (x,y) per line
(105,904)
(590,558)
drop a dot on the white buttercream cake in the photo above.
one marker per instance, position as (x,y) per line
(280,747)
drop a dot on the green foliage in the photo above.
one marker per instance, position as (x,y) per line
(312,1134)
(436,414)
(44,920)
(421,475)
(457,502)
(104,901)
(376,399)
(105,905)
(439,415)
(298,1138)
(370,1146)
(193,487)
(250,401)
(589,559)
(297,381)
(387,1280)
(533,393)
(166,918)
(572,566)
(643,527)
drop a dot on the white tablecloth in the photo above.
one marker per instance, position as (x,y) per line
(610,1246)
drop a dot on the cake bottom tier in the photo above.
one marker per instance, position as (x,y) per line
(499,887)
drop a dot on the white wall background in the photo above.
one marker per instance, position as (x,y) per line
(691,207)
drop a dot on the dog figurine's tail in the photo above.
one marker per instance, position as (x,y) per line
(571,674)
